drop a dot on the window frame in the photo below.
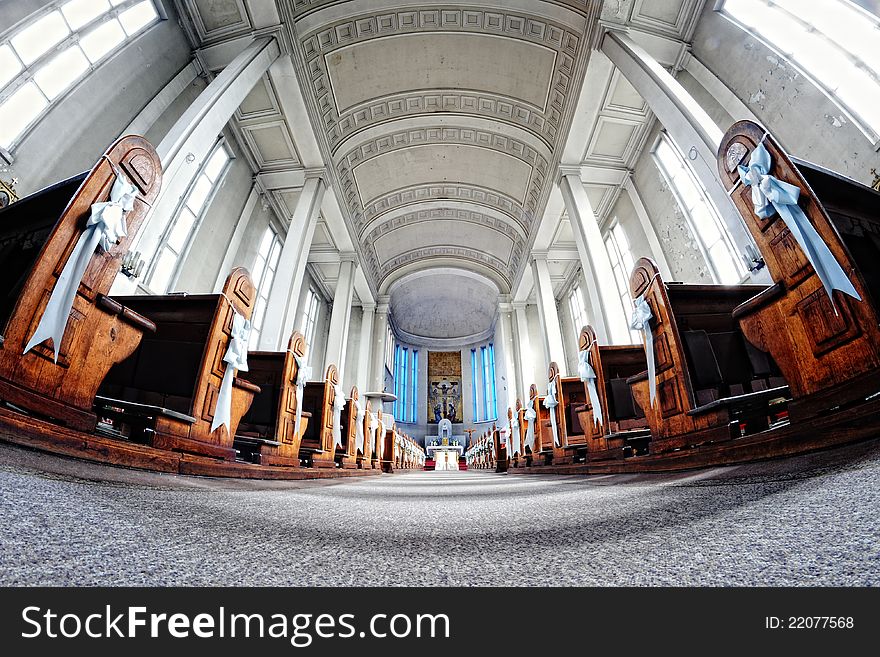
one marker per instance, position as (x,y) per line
(183,254)
(26,75)
(261,285)
(309,322)
(871,133)
(623,292)
(474,388)
(726,237)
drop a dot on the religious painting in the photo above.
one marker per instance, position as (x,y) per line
(7,194)
(444,386)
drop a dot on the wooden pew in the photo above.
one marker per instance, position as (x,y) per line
(377,439)
(624,428)
(830,361)
(267,432)
(502,460)
(318,448)
(388,450)
(544,450)
(712,385)
(37,235)
(515,449)
(166,392)
(573,437)
(526,455)
(364,456)
(346,456)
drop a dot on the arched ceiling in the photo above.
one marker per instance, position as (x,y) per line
(443,124)
(441,304)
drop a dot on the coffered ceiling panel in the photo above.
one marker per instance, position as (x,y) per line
(451,232)
(505,67)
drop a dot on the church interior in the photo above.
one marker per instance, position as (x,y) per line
(440,293)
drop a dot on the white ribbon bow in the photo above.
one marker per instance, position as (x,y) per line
(550,403)
(303,374)
(359,425)
(338,405)
(641,321)
(771,195)
(530,416)
(235,359)
(514,434)
(104,228)
(588,375)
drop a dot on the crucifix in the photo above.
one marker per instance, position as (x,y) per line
(470,432)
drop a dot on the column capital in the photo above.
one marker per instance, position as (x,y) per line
(383,304)
(539,255)
(315,172)
(278,33)
(369,307)
(349,256)
(568,170)
(519,305)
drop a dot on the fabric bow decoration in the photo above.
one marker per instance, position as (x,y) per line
(587,374)
(338,405)
(641,321)
(304,373)
(771,195)
(359,425)
(235,359)
(550,403)
(514,433)
(530,416)
(104,227)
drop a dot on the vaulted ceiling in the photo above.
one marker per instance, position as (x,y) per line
(441,126)
(442,123)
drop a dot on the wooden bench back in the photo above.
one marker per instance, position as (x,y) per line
(816,349)
(138,161)
(348,421)
(613,365)
(181,366)
(318,400)
(687,320)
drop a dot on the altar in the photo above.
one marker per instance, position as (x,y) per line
(445,457)
(444,448)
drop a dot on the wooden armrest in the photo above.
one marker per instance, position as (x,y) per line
(755,399)
(140,410)
(765,298)
(129,316)
(305,414)
(246,385)
(635,378)
(256,440)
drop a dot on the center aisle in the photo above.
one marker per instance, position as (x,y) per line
(808,520)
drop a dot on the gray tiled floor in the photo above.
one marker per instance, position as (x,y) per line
(805,521)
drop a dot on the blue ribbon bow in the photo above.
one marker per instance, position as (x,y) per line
(771,195)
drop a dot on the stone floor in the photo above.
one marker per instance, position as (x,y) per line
(804,521)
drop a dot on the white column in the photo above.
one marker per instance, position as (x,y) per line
(380,332)
(189,141)
(606,311)
(690,127)
(148,116)
(547,313)
(340,316)
(241,227)
(657,252)
(504,337)
(525,364)
(281,307)
(363,370)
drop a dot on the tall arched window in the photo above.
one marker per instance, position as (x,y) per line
(42,57)
(833,42)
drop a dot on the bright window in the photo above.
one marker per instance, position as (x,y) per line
(489,385)
(474,385)
(703,218)
(180,230)
(834,42)
(263,275)
(413,385)
(45,56)
(576,308)
(396,372)
(620,255)
(389,348)
(309,321)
